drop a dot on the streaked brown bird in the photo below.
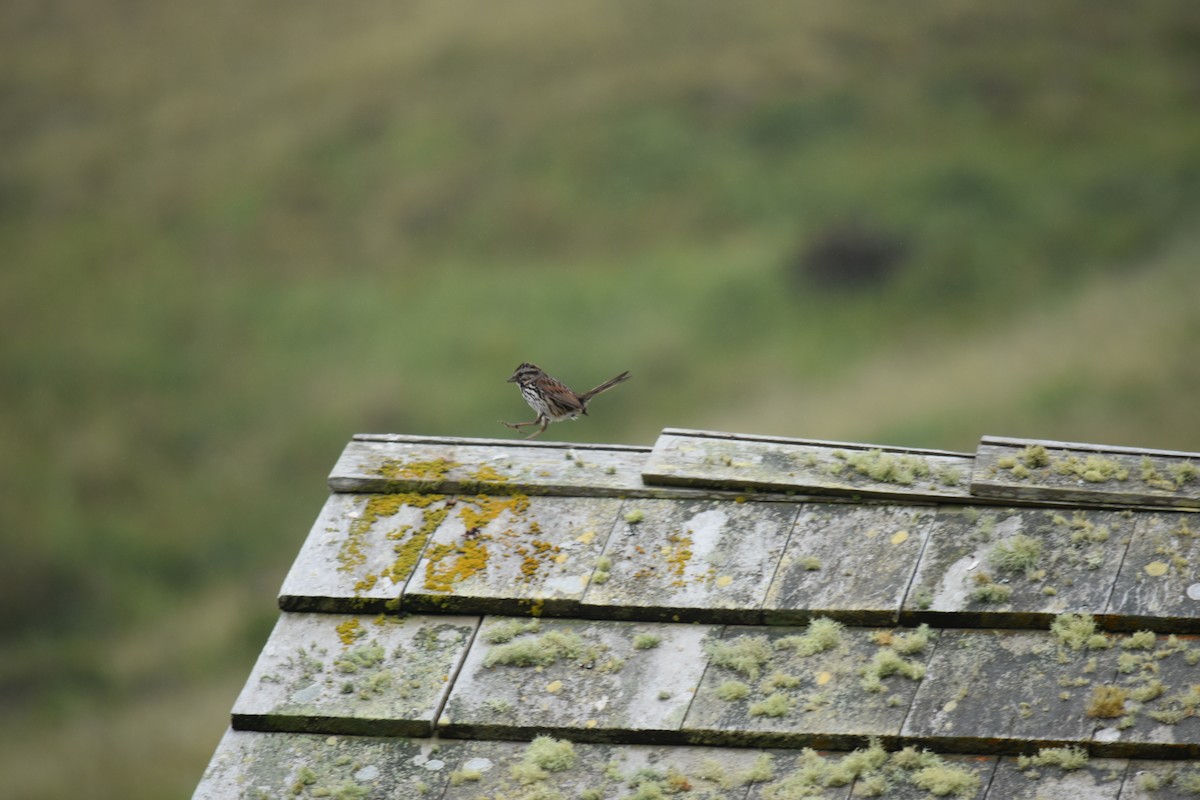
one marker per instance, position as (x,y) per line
(551,399)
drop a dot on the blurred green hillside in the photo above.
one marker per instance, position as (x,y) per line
(236,233)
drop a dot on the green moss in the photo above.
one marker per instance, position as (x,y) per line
(1107,701)
(821,635)
(744,654)
(1150,690)
(777,704)
(810,563)
(542,651)
(732,690)
(509,629)
(552,755)
(948,475)
(913,642)
(991,593)
(1142,640)
(1019,553)
(780,680)
(366,656)
(604,564)
(646,641)
(943,780)
(855,764)
(1035,456)
(886,467)
(498,705)
(634,516)
(1093,469)
(1078,632)
(304,777)
(885,663)
(1066,758)
(762,770)
(461,776)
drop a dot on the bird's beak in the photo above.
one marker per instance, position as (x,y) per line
(513,379)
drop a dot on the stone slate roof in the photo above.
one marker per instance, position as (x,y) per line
(726,616)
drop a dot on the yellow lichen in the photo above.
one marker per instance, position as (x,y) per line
(679,555)
(480,510)
(449,564)
(540,553)
(366,584)
(409,545)
(486,474)
(350,631)
(432,471)
(377,507)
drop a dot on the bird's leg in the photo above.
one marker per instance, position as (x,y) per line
(516,426)
(538,432)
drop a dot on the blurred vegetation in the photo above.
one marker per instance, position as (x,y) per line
(235,233)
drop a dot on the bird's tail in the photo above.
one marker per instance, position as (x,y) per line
(604,387)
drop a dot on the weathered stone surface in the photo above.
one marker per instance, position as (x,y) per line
(679,559)
(1064,472)
(361,552)
(799,774)
(1016,567)
(943,779)
(512,554)
(1160,681)
(249,764)
(819,686)
(371,676)
(592,680)
(511,771)
(468,466)
(994,691)
(1159,584)
(1161,780)
(1099,779)
(698,458)
(849,562)
(872,772)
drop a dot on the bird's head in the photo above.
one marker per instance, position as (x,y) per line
(524,373)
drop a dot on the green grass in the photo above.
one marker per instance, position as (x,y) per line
(236,234)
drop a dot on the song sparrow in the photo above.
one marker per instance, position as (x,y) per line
(552,401)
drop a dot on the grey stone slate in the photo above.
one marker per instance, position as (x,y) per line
(361,551)
(788,698)
(994,691)
(850,562)
(1099,779)
(590,679)
(1084,474)
(1162,683)
(730,461)
(512,554)
(679,559)
(800,773)
(1161,780)
(253,765)
(370,676)
(922,783)
(468,466)
(1073,558)
(1159,583)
